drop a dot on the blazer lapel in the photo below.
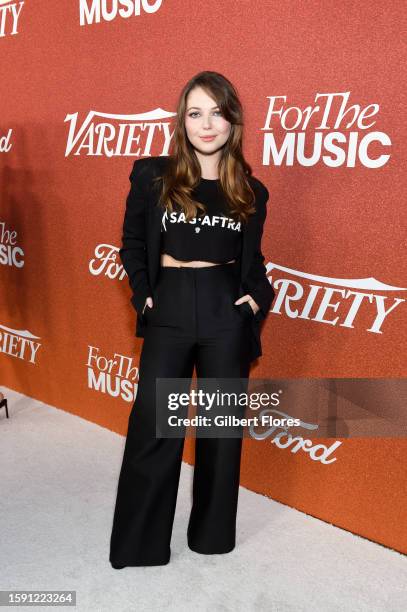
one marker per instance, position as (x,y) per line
(247,243)
(154,239)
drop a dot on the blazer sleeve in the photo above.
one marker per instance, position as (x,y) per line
(133,253)
(256,283)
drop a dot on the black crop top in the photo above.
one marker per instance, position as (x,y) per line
(211,236)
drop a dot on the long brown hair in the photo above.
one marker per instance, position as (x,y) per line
(183,171)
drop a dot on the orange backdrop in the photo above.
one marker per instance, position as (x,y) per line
(87,90)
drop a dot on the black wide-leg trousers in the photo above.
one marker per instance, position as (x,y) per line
(193,322)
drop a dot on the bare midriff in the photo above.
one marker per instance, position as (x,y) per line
(168,260)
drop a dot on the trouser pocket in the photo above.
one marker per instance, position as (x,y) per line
(245,310)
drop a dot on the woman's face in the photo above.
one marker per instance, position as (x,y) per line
(203,118)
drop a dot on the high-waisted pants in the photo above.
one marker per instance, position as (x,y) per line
(193,322)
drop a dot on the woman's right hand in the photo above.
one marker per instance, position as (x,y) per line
(149,303)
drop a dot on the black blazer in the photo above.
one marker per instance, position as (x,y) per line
(140,252)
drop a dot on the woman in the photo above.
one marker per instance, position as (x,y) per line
(192,251)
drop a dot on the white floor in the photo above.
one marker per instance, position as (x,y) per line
(58,483)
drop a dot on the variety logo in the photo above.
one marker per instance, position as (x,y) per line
(5,144)
(19,343)
(92,11)
(107,134)
(9,16)
(10,253)
(352,296)
(330,132)
(114,377)
(105,262)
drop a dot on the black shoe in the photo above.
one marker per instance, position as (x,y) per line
(118,566)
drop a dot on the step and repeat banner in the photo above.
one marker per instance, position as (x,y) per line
(88,86)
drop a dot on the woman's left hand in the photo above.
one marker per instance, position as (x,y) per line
(248,298)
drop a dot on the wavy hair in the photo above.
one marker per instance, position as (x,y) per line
(183,171)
